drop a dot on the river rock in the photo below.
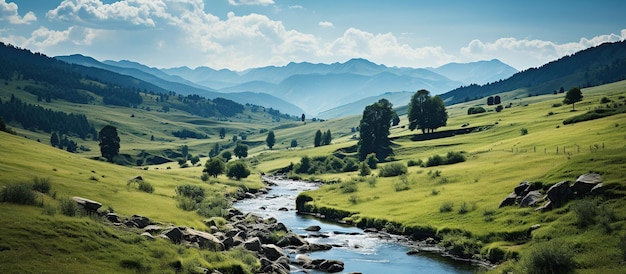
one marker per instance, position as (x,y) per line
(585,183)
(313,228)
(559,193)
(253,244)
(204,239)
(272,251)
(532,198)
(509,200)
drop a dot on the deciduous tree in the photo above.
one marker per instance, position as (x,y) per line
(374,130)
(241,150)
(213,167)
(572,96)
(271,139)
(109,142)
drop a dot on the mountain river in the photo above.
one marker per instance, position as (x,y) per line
(361,252)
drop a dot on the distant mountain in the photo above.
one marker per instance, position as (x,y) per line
(594,66)
(398,99)
(180,85)
(317,88)
(481,72)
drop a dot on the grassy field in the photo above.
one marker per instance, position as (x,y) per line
(462,197)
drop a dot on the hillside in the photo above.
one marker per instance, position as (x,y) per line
(594,66)
(480,73)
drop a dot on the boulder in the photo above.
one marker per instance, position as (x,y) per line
(272,252)
(531,199)
(314,228)
(147,235)
(89,205)
(521,188)
(597,190)
(175,234)
(560,193)
(547,206)
(152,228)
(141,221)
(283,209)
(113,217)
(509,200)
(291,239)
(204,240)
(253,244)
(585,183)
(332,266)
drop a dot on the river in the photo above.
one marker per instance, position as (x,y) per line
(363,252)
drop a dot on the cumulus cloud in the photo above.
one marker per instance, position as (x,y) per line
(524,53)
(251,2)
(326,24)
(385,48)
(94,12)
(8,12)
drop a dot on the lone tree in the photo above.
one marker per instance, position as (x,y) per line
(374,129)
(54,139)
(572,96)
(109,142)
(222,133)
(241,151)
(318,138)
(425,112)
(303,117)
(237,170)
(271,139)
(214,167)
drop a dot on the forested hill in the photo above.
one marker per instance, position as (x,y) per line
(595,66)
(53,79)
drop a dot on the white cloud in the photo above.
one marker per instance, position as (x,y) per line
(385,48)
(524,53)
(94,12)
(251,2)
(296,7)
(326,24)
(8,12)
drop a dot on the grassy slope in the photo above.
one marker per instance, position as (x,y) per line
(498,160)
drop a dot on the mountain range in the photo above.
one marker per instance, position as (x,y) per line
(314,89)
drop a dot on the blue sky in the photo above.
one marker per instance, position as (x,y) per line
(241,34)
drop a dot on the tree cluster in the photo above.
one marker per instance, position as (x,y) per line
(33,117)
(322,139)
(425,112)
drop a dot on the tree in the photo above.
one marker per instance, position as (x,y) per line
(364,169)
(271,139)
(425,112)
(227,155)
(213,167)
(185,151)
(374,130)
(215,150)
(222,133)
(194,160)
(241,151)
(318,138)
(3,126)
(54,139)
(237,170)
(327,138)
(572,96)
(109,142)
(303,117)
(497,100)
(396,120)
(294,143)
(490,100)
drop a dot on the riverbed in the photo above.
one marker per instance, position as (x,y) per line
(361,252)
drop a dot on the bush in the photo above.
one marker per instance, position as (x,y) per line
(475,110)
(402,184)
(41,184)
(392,169)
(454,157)
(237,170)
(215,206)
(415,163)
(364,169)
(461,246)
(349,187)
(549,257)
(371,160)
(524,131)
(446,207)
(18,194)
(605,100)
(145,186)
(371,181)
(435,160)
(68,207)
(195,193)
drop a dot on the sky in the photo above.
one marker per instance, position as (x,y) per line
(243,34)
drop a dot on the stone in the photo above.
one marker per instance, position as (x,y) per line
(141,221)
(585,183)
(531,199)
(204,240)
(521,188)
(560,193)
(253,244)
(147,235)
(547,206)
(249,195)
(272,251)
(509,200)
(152,228)
(597,189)
(314,228)
(412,251)
(89,205)
(174,234)
(113,217)
(283,209)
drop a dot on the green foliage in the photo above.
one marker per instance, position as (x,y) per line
(271,139)
(460,245)
(435,160)
(371,161)
(549,257)
(193,192)
(402,184)
(350,165)
(349,186)
(135,264)
(572,96)
(214,167)
(418,162)
(237,170)
(475,110)
(109,142)
(294,143)
(68,207)
(425,112)
(226,155)
(374,130)
(524,131)
(214,206)
(18,194)
(42,185)
(145,186)
(446,207)
(371,181)
(392,169)
(364,169)
(594,114)
(241,151)
(452,157)
(317,140)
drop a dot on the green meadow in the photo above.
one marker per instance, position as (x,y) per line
(458,201)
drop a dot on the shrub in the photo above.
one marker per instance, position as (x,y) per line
(402,184)
(435,160)
(371,181)
(475,110)
(68,207)
(446,207)
(237,170)
(392,169)
(549,257)
(196,193)
(364,169)
(145,186)
(349,187)
(371,160)
(605,100)
(454,157)
(415,163)
(215,206)
(556,105)
(461,246)
(353,199)
(18,194)
(41,184)
(524,131)
(351,165)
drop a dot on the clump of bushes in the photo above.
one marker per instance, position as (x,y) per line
(475,110)
(402,184)
(549,257)
(392,169)
(68,207)
(461,246)
(349,187)
(418,162)
(42,185)
(215,206)
(452,157)
(524,131)
(446,207)
(18,194)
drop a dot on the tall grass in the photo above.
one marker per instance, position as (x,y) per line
(18,194)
